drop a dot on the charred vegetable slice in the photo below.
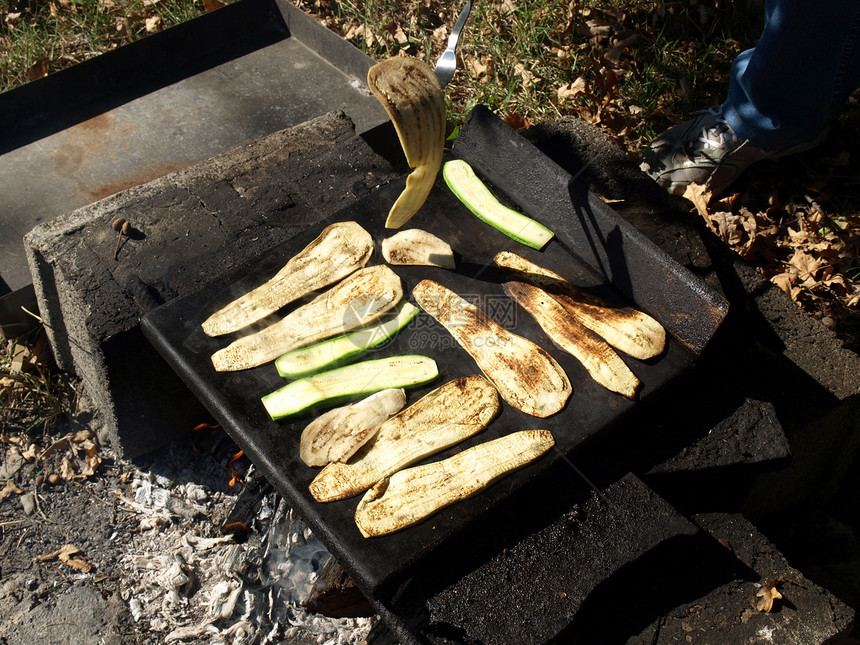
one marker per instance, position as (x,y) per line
(313,358)
(470,190)
(628,330)
(336,435)
(409,91)
(595,354)
(358,299)
(446,416)
(339,250)
(411,495)
(416,247)
(358,379)
(525,374)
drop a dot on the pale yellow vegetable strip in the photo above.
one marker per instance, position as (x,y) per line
(599,359)
(446,416)
(337,434)
(357,300)
(413,246)
(410,496)
(409,91)
(525,374)
(340,249)
(628,330)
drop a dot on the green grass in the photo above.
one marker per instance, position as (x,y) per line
(674,56)
(32,393)
(38,37)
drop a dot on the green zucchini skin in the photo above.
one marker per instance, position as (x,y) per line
(470,190)
(343,383)
(337,351)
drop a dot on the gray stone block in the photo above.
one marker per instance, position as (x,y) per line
(186,227)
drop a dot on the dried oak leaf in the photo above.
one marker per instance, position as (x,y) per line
(572,90)
(806,264)
(517,121)
(699,196)
(769,593)
(527,77)
(787,281)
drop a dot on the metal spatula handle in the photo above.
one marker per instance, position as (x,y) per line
(447,64)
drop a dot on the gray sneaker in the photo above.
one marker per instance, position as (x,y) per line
(705,151)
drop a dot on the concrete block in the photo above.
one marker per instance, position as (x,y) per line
(186,227)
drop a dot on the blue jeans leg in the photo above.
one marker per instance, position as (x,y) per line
(804,67)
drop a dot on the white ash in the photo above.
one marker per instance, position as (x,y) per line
(187,583)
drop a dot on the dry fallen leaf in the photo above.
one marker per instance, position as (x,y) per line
(154,24)
(475,66)
(9,489)
(786,282)
(67,469)
(806,264)
(769,593)
(64,554)
(699,196)
(572,90)
(766,597)
(517,121)
(528,78)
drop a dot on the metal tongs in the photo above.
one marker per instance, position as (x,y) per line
(447,64)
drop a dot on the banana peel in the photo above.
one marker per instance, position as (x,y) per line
(409,91)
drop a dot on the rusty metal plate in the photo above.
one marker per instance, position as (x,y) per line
(164,103)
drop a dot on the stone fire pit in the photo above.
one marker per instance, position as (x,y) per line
(669,525)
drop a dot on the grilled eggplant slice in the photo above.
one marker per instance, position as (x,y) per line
(336,435)
(525,374)
(595,354)
(446,416)
(411,495)
(409,91)
(358,299)
(416,247)
(628,330)
(341,248)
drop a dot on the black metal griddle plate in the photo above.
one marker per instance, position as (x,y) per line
(234,398)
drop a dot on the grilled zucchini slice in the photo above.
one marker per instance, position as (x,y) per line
(470,190)
(343,383)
